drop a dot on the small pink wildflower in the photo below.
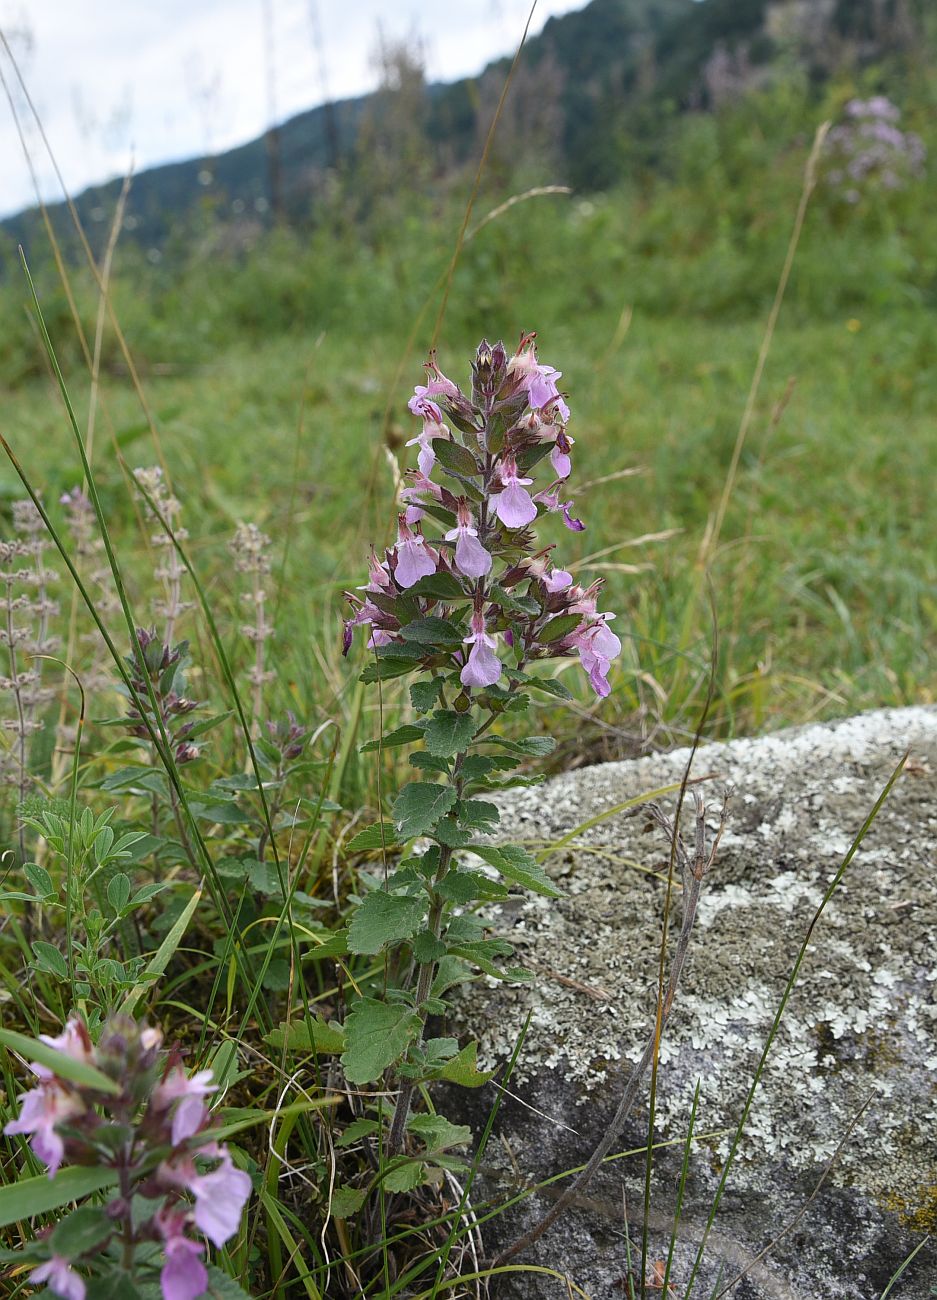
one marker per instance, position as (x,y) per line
(471,558)
(61,1277)
(483,667)
(513,505)
(415,560)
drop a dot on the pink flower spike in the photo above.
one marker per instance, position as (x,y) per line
(483,667)
(62,1278)
(471,558)
(513,506)
(415,560)
(557,580)
(220,1198)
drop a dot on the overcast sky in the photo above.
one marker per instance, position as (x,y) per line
(169,79)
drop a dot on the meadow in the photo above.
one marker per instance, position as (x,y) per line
(759,582)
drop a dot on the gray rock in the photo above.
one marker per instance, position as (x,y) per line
(860,1023)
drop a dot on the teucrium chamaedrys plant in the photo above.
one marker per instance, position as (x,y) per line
(125,1106)
(467,602)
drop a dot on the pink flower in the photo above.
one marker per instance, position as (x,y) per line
(559,456)
(513,505)
(557,580)
(189,1117)
(420,405)
(415,560)
(550,498)
(427,457)
(483,667)
(178,1084)
(61,1277)
(42,1109)
(471,558)
(542,390)
(183,1276)
(598,646)
(378,577)
(73,1041)
(220,1198)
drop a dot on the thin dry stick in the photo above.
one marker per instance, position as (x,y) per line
(693,871)
(711,538)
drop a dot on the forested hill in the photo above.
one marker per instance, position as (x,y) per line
(590,99)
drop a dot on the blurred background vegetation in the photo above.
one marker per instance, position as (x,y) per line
(278,300)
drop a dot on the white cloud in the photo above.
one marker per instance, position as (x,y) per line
(166,79)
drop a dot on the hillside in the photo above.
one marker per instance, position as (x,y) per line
(591,98)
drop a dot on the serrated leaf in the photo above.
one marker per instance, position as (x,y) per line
(420,805)
(529,746)
(357,1129)
(383,919)
(263,877)
(423,695)
(478,815)
(462,886)
(549,686)
(377,1035)
(380,835)
(400,736)
(406,1176)
(429,762)
(346,1201)
(432,631)
(302,1037)
(118,891)
(385,669)
(223,1287)
(427,948)
(450,833)
(518,866)
(449,733)
(438,1133)
(83,1230)
(462,1069)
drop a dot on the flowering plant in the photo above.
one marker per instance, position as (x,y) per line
(125,1108)
(468,602)
(870,152)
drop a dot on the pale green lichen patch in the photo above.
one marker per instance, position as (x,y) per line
(863,1017)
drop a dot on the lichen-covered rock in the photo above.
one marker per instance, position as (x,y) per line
(861,1023)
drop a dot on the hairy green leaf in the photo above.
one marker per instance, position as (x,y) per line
(420,805)
(518,866)
(383,919)
(376,1035)
(449,733)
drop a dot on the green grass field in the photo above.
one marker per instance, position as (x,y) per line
(274,385)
